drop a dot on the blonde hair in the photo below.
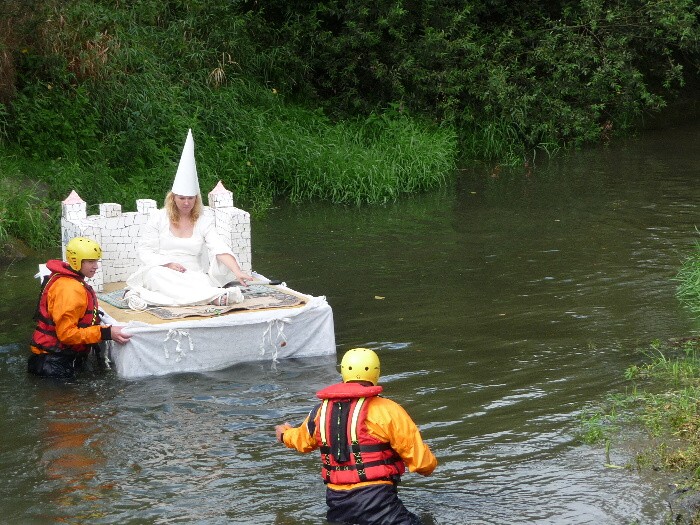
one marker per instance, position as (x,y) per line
(174,213)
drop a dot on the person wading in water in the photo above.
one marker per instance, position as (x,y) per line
(68,325)
(366,443)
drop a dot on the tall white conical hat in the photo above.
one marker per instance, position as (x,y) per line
(186,182)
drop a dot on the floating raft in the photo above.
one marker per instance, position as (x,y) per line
(273,322)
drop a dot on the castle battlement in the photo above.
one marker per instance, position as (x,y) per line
(118,232)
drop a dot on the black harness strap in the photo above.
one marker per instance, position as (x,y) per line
(387,461)
(379,447)
(340,412)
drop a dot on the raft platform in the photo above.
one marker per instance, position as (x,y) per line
(273,322)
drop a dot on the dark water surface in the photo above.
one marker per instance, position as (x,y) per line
(501,309)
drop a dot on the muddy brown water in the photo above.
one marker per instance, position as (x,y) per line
(502,308)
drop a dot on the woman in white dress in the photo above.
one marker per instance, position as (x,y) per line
(176,245)
(183,261)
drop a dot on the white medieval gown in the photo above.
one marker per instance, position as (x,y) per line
(205,276)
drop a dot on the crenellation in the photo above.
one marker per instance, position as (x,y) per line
(110,209)
(145,206)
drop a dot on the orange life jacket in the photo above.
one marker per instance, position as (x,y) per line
(349,453)
(44,337)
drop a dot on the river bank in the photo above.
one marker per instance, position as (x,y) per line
(661,397)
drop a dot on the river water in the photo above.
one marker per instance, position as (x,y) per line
(502,307)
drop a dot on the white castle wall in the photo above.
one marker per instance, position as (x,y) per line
(118,233)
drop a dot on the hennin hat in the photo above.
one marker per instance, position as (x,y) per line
(186,182)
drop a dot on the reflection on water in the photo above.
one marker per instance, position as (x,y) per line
(71,434)
(501,308)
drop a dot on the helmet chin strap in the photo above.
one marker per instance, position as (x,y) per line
(363,383)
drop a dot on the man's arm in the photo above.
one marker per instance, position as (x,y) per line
(298,438)
(388,420)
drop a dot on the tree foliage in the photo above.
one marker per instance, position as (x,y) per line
(518,73)
(509,75)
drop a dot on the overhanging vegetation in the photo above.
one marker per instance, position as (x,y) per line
(353,102)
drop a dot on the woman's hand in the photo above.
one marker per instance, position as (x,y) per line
(176,266)
(232,264)
(243,278)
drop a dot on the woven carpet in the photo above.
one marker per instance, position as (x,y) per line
(255,297)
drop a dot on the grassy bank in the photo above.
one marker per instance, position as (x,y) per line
(27,216)
(351,102)
(276,151)
(688,278)
(662,399)
(97,97)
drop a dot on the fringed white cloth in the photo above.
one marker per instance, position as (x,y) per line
(105,350)
(177,335)
(275,341)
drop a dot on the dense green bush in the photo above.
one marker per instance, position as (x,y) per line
(117,88)
(350,101)
(510,75)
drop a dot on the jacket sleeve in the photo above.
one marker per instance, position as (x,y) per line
(300,438)
(67,301)
(388,421)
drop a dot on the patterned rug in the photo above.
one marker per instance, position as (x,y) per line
(255,297)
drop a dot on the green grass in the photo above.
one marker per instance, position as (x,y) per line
(261,149)
(688,278)
(664,400)
(106,94)
(25,211)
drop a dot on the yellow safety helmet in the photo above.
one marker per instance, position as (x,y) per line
(80,248)
(360,364)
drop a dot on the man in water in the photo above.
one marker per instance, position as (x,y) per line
(366,443)
(67,318)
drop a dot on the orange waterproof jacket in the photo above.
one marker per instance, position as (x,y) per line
(378,421)
(67,315)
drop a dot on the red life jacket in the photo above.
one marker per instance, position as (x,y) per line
(44,337)
(349,453)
